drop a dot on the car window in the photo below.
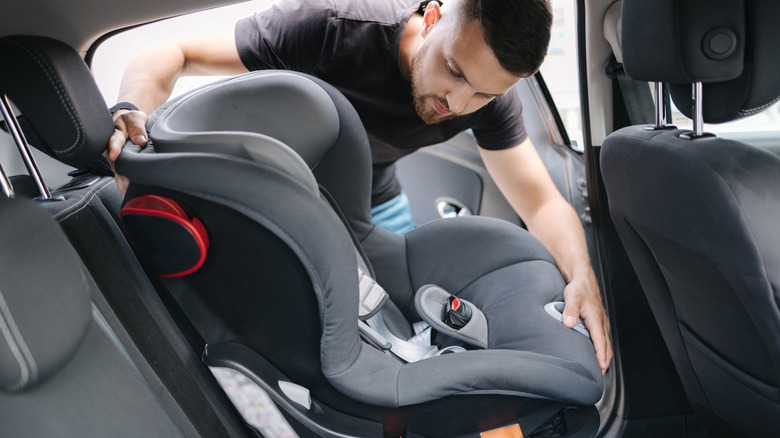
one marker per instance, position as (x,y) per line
(560,72)
(112,56)
(765,121)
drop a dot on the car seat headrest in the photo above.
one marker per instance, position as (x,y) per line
(249,116)
(726,45)
(291,122)
(53,88)
(45,307)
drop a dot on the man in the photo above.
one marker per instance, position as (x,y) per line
(417,74)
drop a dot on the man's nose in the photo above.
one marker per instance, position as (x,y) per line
(459,97)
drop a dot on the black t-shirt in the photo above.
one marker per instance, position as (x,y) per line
(354,45)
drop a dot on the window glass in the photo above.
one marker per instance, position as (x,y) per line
(766,120)
(113,55)
(560,69)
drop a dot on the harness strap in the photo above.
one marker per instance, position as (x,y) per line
(372,296)
(375,332)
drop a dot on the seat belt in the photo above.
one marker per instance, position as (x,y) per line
(637,98)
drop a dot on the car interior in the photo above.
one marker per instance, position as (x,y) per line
(691,209)
(239,287)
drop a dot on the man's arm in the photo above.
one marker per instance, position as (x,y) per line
(524,181)
(150,77)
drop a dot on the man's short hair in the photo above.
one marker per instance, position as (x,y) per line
(518,31)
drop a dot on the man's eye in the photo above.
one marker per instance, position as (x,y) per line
(452,72)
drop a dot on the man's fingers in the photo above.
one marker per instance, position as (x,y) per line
(136,127)
(127,124)
(570,318)
(598,337)
(598,325)
(607,341)
(595,318)
(121,183)
(571,308)
(115,144)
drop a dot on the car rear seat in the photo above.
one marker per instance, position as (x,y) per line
(173,374)
(67,366)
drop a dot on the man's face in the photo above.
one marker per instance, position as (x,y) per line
(455,73)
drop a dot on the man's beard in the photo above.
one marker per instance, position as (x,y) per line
(422,105)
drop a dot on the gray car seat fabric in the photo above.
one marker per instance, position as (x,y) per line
(66,367)
(280,276)
(497,263)
(697,216)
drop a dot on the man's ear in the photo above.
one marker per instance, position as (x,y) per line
(431,16)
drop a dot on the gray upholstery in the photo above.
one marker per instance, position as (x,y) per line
(697,217)
(280,276)
(81,378)
(29,350)
(525,277)
(268,140)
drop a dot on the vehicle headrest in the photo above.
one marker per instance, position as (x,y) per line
(45,308)
(277,118)
(52,86)
(292,122)
(726,45)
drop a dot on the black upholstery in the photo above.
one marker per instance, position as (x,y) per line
(737,85)
(68,113)
(696,216)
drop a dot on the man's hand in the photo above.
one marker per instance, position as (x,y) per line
(151,75)
(583,300)
(127,124)
(520,174)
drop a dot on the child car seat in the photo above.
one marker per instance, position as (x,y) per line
(251,204)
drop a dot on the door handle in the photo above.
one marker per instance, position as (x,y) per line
(448,207)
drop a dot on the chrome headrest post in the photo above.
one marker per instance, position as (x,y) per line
(661,116)
(698,115)
(660,108)
(24,147)
(698,109)
(5,184)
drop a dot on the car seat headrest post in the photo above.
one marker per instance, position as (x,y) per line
(24,149)
(698,120)
(5,184)
(697,114)
(660,108)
